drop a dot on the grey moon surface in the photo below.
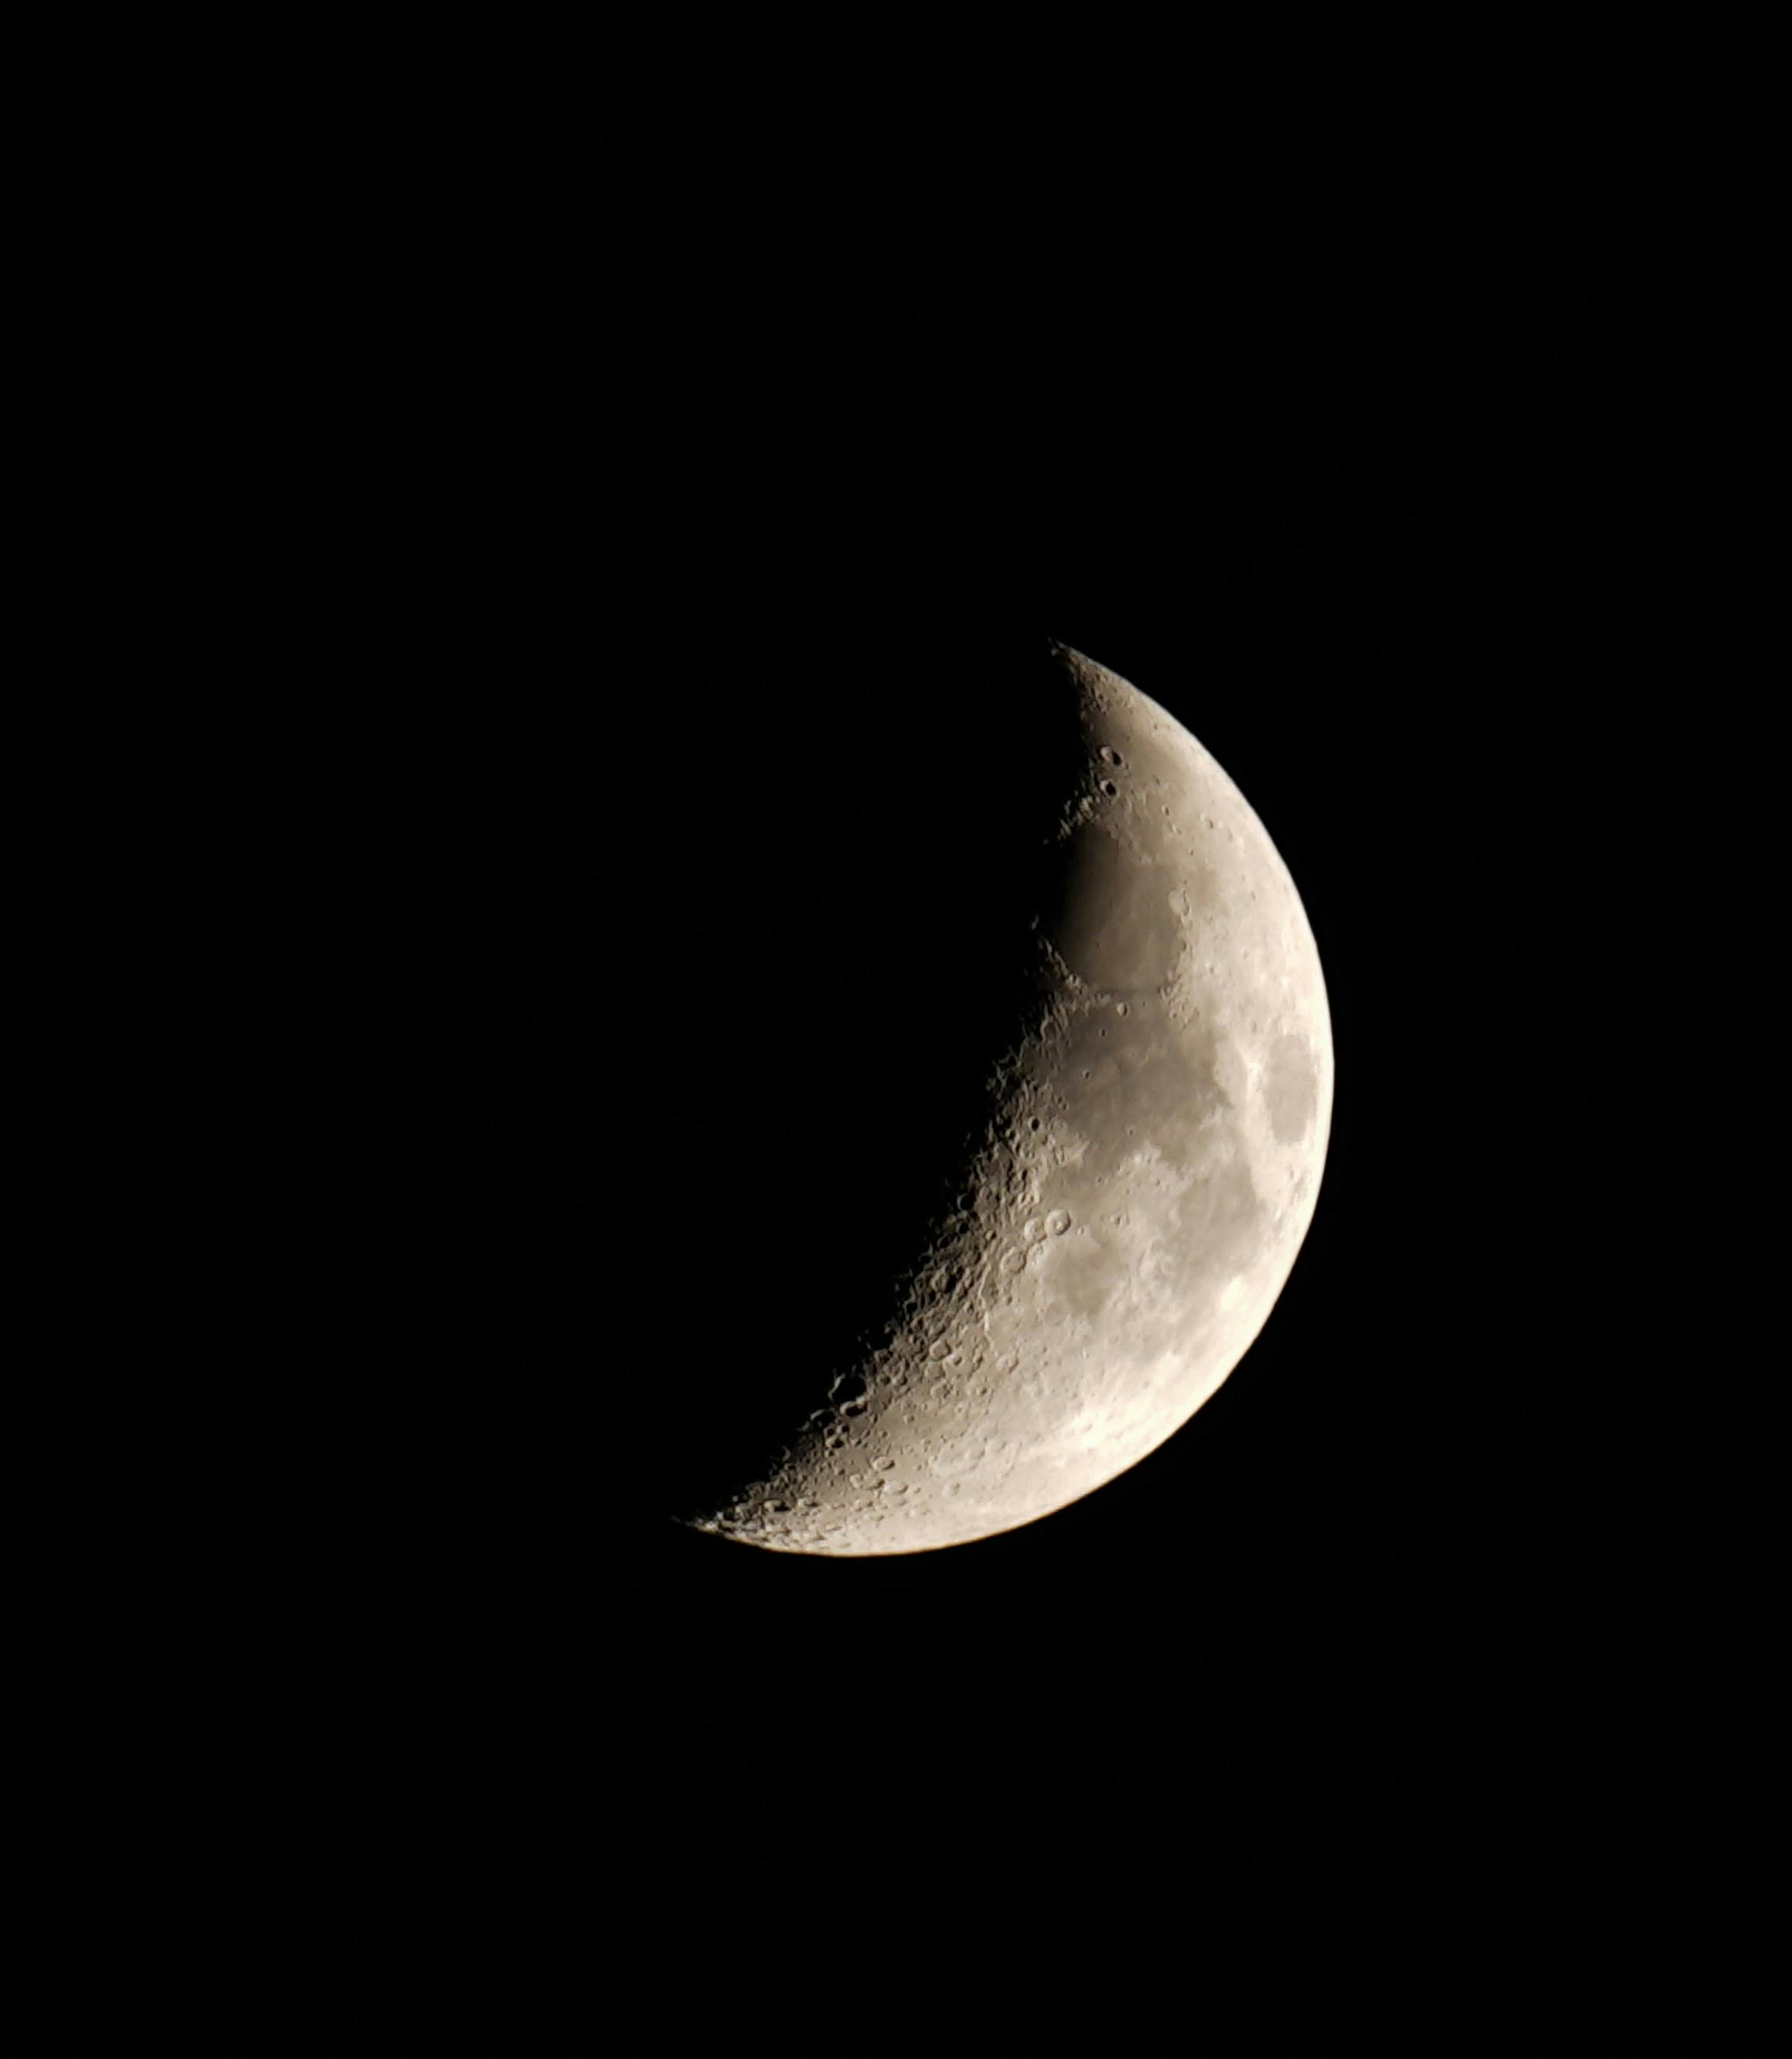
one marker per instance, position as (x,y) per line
(1155,1140)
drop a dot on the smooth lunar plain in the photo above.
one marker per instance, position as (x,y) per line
(1150,1165)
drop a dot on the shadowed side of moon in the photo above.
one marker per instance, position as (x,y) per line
(1143,1166)
(853,874)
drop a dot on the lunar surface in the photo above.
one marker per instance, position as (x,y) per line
(1149,1169)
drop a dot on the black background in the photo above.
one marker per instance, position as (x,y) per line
(615,652)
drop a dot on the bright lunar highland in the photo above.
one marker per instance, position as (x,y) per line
(1149,1166)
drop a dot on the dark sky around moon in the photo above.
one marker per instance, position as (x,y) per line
(625,679)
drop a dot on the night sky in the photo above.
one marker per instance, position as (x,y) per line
(619,641)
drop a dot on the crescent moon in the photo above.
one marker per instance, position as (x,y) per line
(1134,1205)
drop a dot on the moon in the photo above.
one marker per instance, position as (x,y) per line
(1155,1140)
